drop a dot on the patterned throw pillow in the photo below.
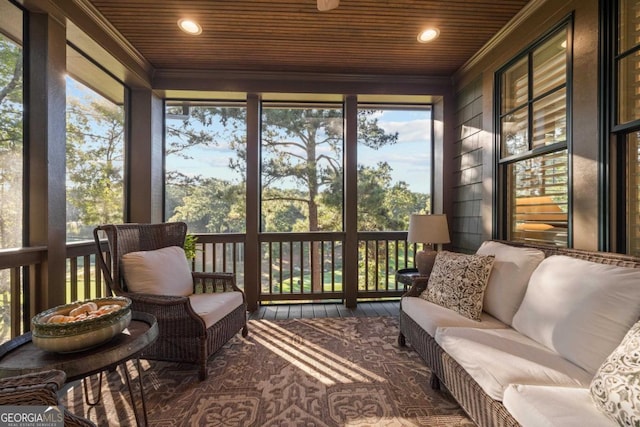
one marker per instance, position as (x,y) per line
(616,387)
(458,282)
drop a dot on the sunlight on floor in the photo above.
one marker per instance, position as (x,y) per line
(325,366)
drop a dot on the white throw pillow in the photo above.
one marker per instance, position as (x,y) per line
(509,277)
(458,281)
(580,309)
(615,389)
(163,271)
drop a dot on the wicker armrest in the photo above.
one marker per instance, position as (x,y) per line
(215,281)
(51,380)
(154,299)
(39,389)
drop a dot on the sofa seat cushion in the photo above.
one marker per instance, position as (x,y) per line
(509,277)
(579,309)
(536,406)
(213,307)
(431,316)
(496,358)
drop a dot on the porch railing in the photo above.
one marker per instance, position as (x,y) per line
(380,255)
(19,270)
(293,266)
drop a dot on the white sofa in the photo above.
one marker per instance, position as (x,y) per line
(550,318)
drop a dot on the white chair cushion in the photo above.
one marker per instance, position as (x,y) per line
(159,272)
(431,316)
(536,406)
(496,358)
(509,277)
(213,307)
(579,309)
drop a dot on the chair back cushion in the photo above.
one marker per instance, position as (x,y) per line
(509,277)
(580,309)
(159,272)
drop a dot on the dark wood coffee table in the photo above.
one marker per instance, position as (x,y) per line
(20,356)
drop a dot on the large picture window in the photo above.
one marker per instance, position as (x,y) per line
(533,122)
(11,126)
(95,147)
(302,149)
(11,151)
(205,146)
(394,165)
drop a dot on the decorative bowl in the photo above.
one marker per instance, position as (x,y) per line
(77,332)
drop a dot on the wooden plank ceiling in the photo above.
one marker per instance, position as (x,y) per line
(359,37)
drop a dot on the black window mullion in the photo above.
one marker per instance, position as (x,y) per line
(530,99)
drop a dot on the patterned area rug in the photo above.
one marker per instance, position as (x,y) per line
(298,372)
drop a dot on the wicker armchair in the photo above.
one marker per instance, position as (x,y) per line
(38,389)
(183,334)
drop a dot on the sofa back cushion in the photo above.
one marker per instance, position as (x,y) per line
(163,271)
(458,282)
(580,309)
(509,277)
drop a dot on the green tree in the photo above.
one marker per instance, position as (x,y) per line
(214,205)
(208,205)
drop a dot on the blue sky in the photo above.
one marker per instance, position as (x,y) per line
(410,157)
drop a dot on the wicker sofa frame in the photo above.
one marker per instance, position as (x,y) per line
(482,409)
(183,335)
(39,389)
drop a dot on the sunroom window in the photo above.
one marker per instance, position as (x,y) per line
(11,126)
(95,147)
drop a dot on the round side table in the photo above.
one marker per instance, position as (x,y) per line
(410,276)
(20,356)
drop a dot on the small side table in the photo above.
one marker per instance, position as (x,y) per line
(410,276)
(20,356)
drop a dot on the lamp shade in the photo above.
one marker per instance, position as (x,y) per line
(324,5)
(431,229)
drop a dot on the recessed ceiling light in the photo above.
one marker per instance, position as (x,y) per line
(428,35)
(190,26)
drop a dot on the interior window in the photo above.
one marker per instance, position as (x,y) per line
(533,115)
(624,124)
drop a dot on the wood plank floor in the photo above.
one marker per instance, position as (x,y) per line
(309,310)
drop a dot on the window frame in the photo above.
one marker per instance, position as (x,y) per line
(613,182)
(501,219)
